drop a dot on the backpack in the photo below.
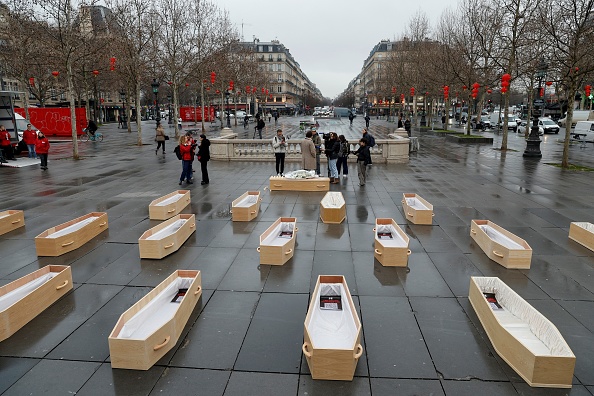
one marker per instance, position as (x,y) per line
(371,140)
(177,152)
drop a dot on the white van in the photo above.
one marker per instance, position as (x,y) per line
(578,115)
(585,127)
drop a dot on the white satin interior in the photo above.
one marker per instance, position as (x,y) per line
(332,329)
(416,204)
(169,230)
(247,201)
(333,200)
(156,313)
(171,199)
(301,174)
(273,239)
(523,321)
(586,226)
(74,227)
(396,241)
(12,297)
(498,237)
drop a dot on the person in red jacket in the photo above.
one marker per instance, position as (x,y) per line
(42,148)
(5,144)
(186,148)
(30,139)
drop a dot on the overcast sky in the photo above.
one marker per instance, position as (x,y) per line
(329,38)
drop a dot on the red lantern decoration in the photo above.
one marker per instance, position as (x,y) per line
(464,87)
(446,92)
(542,92)
(393,90)
(95,73)
(112,62)
(248,89)
(588,89)
(217,91)
(213,77)
(402,98)
(55,74)
(169,82)
(32,81)
(231,85)
(549,83)
(505,79)
(412,91)
(475,89)
(187,85)
(208,88)
(489,91)
(266,92)
(101,100)
(263,90)
(254,90)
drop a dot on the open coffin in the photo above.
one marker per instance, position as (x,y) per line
(500,245)
(169,205)
(246,207)
(391,244)
(332,336)
(278,183)
(582,233)
(25,298)
(333,208)
(71,235)
(277,243)
(416,209)
(521,335)
(152,326)
(10,220)
(167,237)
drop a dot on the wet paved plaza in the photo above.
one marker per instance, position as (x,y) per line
(420,334)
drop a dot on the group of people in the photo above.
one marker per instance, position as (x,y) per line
(187,149)
(37,144)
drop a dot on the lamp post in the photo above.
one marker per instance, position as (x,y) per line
(155,86)
(169,121)
(533,141)
(227,109)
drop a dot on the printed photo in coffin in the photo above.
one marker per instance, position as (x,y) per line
(179,296)
(330,297)
(492,300)
(286,234)
(385,235)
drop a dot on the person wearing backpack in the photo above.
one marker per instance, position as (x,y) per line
(343,155)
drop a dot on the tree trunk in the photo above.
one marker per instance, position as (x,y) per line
(202,96)
(70,78)
(505,105)
(138,116)
(568,120)
(175,110)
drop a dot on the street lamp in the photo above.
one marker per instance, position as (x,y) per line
(170,121)
(155,86)
(227,109)
(533,141)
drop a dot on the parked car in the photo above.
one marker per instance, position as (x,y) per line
(545,125)
(484,123)
(523,125)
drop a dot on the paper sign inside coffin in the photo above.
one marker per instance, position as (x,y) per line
(10,220)
(246,207)
(167,237)
(169,205)
(25,298)
(521,335)
(333,208)
(71,235)
(391,244)
(277,243)
(152,326)
(500,245)
(582,233)
(285,184)
(416,209)
(332,338)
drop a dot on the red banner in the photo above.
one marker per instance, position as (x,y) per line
(55,121)
(188,113)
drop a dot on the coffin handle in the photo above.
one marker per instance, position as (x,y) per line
(409,214)
(289,251)
(63,285)
(169,246)
(67,243)
(159,346)
(16,221)
(378,252)
(296,229)
(102,224)
(305,351)
(258,249)
(373,229)
(359,351)
(198,290)
(497,254)
(260,200)
(253,212)
(171,211)
(277,185)
(320,185)
(231,211)
(402,201)
(408,252)
(432,214)
(192,225)
(473,231)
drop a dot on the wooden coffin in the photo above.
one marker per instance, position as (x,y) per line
(278,183)
(332,338)
(25,298)
(333,208)
(582,233)
(167,237)
(169,205)
(152,326)
(521,335)
(277,243)
(391,244)
(71,235)
(246,207)
(10,220)
(500,245)
(416,209)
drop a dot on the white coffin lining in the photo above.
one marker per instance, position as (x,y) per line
(586,226)
(301,174)
(523,321)
(5,215)
(72,228)
(17,294)
(156,313)
(273,238)
(166,231)
(172,199)
(396,241)
(497,236)
(333,200)
(247,201)
(332,329)
(416,204)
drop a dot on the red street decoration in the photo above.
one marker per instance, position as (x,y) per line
(169,82)
(263,90)
(402,98)
(588,89)
(208,88)
(446,92)
(270,96)
(542,92)
(95,73)
(412,91)
(489,91)
(187,85)
(549,83)
(254,90)
(475,89)
(217,91)
(32,81)
(464,87)
(380,101)
(102,100)
(231,85)
(393,90)
(266,92)
(112,62)
(55,74)
(248,89)
(505,79)
(213,77)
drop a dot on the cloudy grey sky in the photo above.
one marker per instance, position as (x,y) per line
(329,38)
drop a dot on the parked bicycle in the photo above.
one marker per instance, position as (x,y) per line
(96,137)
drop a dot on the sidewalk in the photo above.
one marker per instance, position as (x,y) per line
(419,333)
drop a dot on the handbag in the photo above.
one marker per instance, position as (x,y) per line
(166,137)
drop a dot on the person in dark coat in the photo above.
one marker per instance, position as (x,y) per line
(332,148)
(407,126)
(363,159)
(259,126)
(367,120)
(204,157)
(351,117)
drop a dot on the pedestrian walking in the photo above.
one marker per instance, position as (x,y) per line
(363,159)
(400,123)
(160,138)
(407,126)
(279,145)
(179,123)
(42,147)
(343,155)
(443,121)
(308,152)
(259,126)
(120,124)
(5,144)
(332,148)
(275,117)
(204,157)
(317,140)
(30,139)
(269,117)
(351,117)
(367,120)
(185,148)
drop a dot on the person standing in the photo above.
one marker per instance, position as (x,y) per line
(276,117)
(160,138)
(308,152)
(279,145)
(5,144)
(400,124)
(351,117)
(343,155)
(363,159)
(317,141)
(367,120)
(407,126)
(30,139)
(185,148)
(332,149)
(269,117)
(42,147)
(259,126)
(179,123)
(204,157)
(443,121)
